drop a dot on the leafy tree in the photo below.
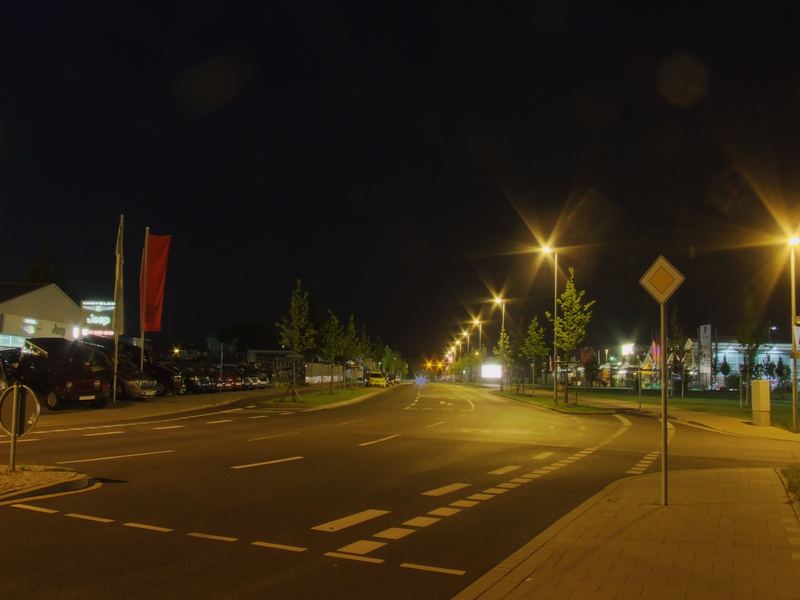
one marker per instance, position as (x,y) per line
(504,352)
(676,343)
(533,347)
(573,316)
(350,342)
(724,367)
(783,373)
(295,328)
(750,335)
(331,342)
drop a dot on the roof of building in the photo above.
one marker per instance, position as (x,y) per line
(9,291)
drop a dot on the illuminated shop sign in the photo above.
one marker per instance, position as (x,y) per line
(97,317)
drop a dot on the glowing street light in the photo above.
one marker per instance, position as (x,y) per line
(477,321)
(498,300)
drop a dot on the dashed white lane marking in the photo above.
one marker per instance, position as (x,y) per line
(464,503)
(480,497)
(542,455)
(509,485)
(350,520)
(168,427)
(444,511)
(388,437)
(274,435)
(137,423)
(504,470)
(421,521)
(520,480)
(643,464)
(362,547)
(394,533)
(626,422)
(259,417)
(268,462)
(368,559)
(446,489)
(21,440)
(432,569)
(250,406)
(219,421)
(148,527)
(48,511)
(103,433)
(494,490)
(216,538)
(279,546)
(434,424)
(89,518)
(85,460)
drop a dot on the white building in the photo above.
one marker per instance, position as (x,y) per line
(36,310)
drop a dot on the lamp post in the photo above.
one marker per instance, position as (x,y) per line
(477,322)
(502,303)
(793,242)
(549,250)
(465,333)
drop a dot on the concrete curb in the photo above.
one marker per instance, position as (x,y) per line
(77,482)
(609,411)
(527,552)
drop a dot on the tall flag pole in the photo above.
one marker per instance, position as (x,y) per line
(119,303)
(143,297)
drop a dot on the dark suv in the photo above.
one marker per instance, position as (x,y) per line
(62,371)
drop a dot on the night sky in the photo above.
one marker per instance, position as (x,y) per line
(399,158)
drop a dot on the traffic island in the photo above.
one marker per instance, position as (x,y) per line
(28,480)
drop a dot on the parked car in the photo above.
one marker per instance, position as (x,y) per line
(377,379)
(62,371)
(133,383)
(230,378)
(169,379)
(196,378)
(253,378)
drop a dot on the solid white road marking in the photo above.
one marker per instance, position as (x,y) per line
(390,437)
(432,569)
(103,433)
(280,547)
(216,538)
(354,557)
(362,547)
(421,521)
(434,424)
(504,470)
(350,520)
(219,421)
(394,533)
(447,489)
(259,417)
(250,406)
(625,421)
(148,527)
(268,462)
(542,455)
(84,460)
(21,440)
(89,518)
(168,427)
(48,511)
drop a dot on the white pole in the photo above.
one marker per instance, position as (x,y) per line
(12,459)
(664,467)
(555,312)
(144,292)
(794,341)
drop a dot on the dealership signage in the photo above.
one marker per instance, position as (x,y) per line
(96,317)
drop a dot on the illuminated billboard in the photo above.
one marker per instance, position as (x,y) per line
(490,371)
(97,317)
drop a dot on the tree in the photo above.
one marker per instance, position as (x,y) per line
(574,315)
(331,341)
(350,342)
(504,352)
(534,348)
(295,328)
(750,335)
(783,373)
(676,344)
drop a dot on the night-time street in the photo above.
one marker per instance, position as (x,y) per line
(414,492)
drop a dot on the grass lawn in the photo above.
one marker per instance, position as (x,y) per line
(312,396)
(547,401)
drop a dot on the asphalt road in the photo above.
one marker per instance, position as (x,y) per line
(414,493)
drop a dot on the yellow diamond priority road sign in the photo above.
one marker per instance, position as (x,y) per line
(661,280)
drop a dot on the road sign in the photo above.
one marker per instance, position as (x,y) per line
(661,280)
(26,415)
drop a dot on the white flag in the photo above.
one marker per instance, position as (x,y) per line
(119,304)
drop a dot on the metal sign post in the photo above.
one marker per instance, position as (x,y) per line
(19,412)
(661,280)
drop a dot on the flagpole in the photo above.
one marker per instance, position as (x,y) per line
(119,305)
(143,306)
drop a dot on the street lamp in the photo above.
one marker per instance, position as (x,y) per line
(793,243)
(477,322)
(502,303)
(465,333)
(549,250)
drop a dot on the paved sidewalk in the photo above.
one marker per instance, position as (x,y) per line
(728,533)
(714,421)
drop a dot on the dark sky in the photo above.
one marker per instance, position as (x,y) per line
(395,156)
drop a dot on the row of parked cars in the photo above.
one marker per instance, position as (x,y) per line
(378,379)
(63,371)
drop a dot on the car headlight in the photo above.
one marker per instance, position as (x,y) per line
(96,384)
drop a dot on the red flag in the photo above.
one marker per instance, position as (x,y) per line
(152,281)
